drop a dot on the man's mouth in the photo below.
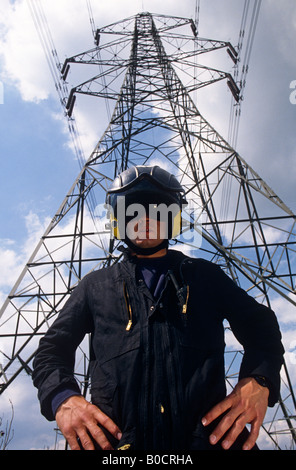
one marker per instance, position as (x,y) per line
(144,234)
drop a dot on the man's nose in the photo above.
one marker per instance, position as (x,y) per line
(143,221)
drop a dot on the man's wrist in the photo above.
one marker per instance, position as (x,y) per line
(261,380)
(60,397)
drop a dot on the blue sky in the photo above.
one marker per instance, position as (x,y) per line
(38,164)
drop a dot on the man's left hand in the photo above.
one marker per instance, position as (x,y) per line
(246,404)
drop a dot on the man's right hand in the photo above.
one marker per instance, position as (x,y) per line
(77,418)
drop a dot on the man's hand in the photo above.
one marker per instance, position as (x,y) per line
(76,417)
(247,403)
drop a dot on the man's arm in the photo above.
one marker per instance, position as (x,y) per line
(53,365)
(256,328)
(53,374)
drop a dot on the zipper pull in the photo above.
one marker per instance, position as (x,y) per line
(184,309)
(129,325)
(128,307)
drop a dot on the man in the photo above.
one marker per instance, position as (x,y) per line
(157,340)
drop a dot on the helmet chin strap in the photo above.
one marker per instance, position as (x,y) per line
(146,251)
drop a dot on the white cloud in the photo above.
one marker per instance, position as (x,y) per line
(14,257)
(285,310)
(30,429)
(24,61)
(10,262)
(24,58)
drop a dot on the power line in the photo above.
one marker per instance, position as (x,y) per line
(91,17)
(196,16)
(241,69)
(57,73)
(51,55)
(242,66)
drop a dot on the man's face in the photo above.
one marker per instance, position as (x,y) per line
(145,232)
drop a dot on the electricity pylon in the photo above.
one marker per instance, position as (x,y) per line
(149,67)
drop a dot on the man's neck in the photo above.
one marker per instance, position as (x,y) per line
(158,254)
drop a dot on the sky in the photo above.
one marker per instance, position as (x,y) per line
(37,161)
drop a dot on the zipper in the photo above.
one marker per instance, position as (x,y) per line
(182,292)
(128,307)
(184,308)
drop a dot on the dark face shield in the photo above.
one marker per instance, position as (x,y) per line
(127,212)
(149,194)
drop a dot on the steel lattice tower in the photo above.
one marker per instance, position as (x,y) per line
(149,66)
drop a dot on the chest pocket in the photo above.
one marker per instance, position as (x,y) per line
(201,328)
(117,352)
(117,329)
(199,324)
